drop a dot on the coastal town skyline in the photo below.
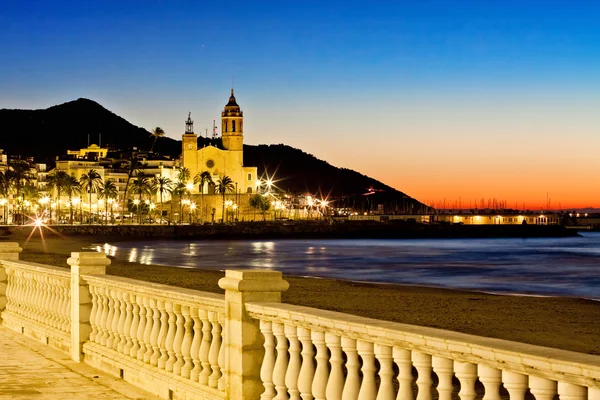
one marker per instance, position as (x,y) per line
(441,101)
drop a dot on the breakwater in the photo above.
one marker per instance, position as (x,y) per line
(303,229)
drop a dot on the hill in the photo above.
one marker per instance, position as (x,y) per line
(45,134)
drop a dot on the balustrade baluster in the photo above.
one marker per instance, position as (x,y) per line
(104,317)
(403,360)
(422,363)
(491,379)
(66,305)
(352,384)
(137,325)
(114,321)
(335,383)
(281,361)
(222,384)
(129,329)
(46,318)
(542,389)
(120,345)
(157,353)
(186,344)
(27,312)
(307,370)
(515,384)
(195,350)
(170,336)
(144,328)
(215,347)
(178,339)
(205,347)
(322,371)
(53,304)
(568,391)
(293,370)
(94,313)
(368,390)
(268,364)
(467,375)
(386,372)
(444,369)
(39,306)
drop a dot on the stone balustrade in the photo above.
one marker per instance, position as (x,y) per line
(38,301)
(316,354)
(173,334)
(184,344)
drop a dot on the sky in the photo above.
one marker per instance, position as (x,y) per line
(450,102)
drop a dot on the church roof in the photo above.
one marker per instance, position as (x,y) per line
(232,102)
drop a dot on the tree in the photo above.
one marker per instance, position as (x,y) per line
(133,167)
(72,187)
(157,132)
(224,185)
(201,179)
(141,187)
(19,174)
(108,191)
(162,185)
(260,203)
(58,181)
(179,190)
(91,182)
(183,175)
(4,192)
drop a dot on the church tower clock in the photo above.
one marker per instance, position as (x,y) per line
(232,125)
(189,144)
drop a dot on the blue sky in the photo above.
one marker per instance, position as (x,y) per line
(484,81)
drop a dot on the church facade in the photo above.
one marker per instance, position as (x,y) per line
(228,161)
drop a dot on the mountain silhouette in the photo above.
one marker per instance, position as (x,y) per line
(47,133)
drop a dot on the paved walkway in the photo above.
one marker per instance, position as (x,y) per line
(32,370)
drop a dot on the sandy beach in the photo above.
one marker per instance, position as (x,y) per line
(559,322)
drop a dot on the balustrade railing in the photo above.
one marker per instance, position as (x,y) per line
(173,330)
(315,354)
(38,299)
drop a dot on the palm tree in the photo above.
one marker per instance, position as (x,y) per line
(108,191)
(157,132)
(224,185)
(72,187)
(19,174)
(4,192)
(134,164)
(91,182)
(184,175)
(179,190)
(201,179)
(140,187)
(162,185)
(58,181)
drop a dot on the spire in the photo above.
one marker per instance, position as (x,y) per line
(189,125)
(232,102)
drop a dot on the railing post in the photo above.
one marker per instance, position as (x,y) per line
(8,251)
(91,263)
(242,337)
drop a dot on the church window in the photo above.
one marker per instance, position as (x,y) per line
(225,125)
(249,190)
(249,177)
(233,126)
(210,164)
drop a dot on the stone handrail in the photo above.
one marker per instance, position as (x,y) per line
(288,369)
(170,332)
(38,300)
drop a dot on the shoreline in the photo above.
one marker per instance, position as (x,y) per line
(567,323)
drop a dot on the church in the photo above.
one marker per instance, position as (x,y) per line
(228,161)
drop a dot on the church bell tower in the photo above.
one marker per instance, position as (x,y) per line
(232,125)
(189,143)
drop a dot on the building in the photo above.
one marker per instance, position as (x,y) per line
(228,161)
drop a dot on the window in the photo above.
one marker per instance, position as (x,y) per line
(233,126)
(225,125)
(249,190)
(249,177)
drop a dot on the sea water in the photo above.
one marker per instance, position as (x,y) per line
(545,266)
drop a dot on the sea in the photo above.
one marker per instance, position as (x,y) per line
(536,267)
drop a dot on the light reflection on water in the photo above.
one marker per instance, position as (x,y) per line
(555,266)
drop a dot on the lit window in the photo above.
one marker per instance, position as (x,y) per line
(249,177)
